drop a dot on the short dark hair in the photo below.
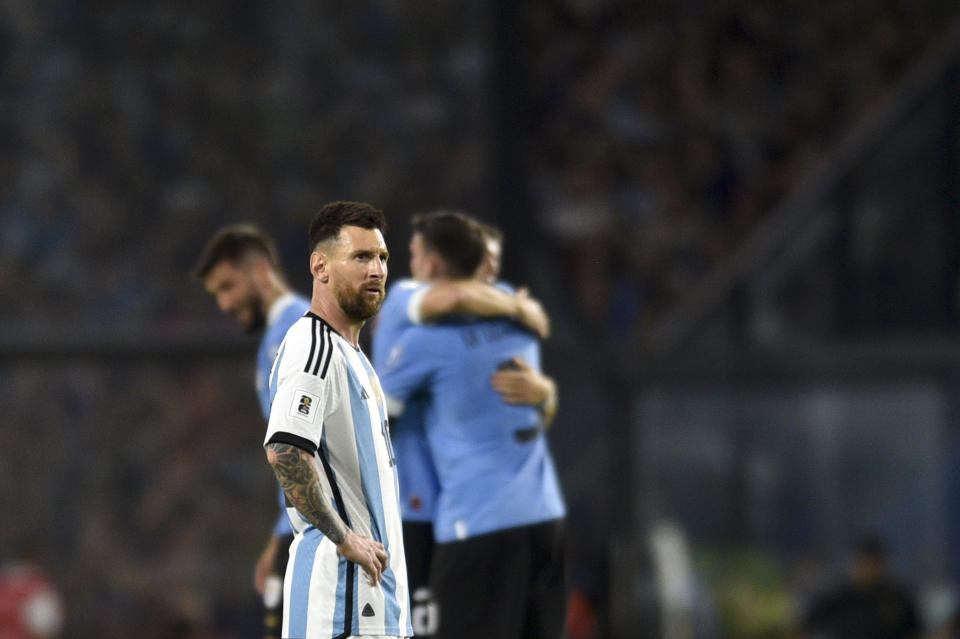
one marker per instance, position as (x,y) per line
(456,237)
(332,217)
(234,243)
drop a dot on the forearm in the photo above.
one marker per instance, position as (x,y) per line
(468,298)
(297,474)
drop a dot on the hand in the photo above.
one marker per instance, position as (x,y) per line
(264,565)
(523,385)
(367,553)
(530,313)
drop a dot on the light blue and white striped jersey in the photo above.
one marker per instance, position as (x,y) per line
(419,485)
(282,314)
(492,459)
(328,400)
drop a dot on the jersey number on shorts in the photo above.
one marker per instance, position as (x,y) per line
(425,615)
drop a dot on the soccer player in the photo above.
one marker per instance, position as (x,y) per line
(498,567)
(410,302)
(239,268)
(329,444)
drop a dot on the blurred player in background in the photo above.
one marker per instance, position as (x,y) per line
(498,565)
(411,302)
(329,444)
(239,268)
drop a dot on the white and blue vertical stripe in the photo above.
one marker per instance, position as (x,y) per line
(325,595)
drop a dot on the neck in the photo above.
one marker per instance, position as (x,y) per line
(274,290)
(328,309)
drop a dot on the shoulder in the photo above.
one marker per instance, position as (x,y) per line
(506,287)
(403,289)
(299,340)
(300,331)
(293,308)
(406,283)
(397,303)
(300,305)
(311,348)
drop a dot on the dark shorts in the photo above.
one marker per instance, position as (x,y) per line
(418,548)
(273,614)
(508,584)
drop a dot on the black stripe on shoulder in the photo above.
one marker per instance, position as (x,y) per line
(313,343)
(326,363)
(293,440)
(322,321)
(323,345)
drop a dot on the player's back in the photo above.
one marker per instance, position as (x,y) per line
(492,460)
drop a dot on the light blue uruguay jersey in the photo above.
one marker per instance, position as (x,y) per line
(328,400)
(419,486)
(494,466)
(282,314)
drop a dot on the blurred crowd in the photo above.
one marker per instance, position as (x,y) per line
(139,490)
(129,130)
(660,132)
(655,135)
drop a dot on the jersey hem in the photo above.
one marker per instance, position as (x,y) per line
(293,440)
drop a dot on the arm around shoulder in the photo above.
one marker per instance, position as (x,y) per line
(470,297)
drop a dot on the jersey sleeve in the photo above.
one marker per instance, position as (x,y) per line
(414,304)
(408,369)
(303,396)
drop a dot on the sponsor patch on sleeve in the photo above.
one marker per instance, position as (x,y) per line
(305,406)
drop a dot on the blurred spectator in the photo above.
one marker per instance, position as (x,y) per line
(868,604)
(30,604)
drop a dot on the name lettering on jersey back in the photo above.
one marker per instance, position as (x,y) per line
(304,406)
(477,336)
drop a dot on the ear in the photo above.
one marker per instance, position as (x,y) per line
(434,266)
(261,271)
(318,267)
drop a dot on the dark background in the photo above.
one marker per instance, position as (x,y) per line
(742,217)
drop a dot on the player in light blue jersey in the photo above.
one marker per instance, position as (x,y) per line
(498,566)
(239,268)
(411,302)
(328,442)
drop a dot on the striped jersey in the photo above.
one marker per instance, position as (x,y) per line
(327,400)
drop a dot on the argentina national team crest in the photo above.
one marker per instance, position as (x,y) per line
(304,406)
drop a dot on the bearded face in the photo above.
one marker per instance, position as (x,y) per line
(360,302)
(236,293)
(353,270)
(250,315)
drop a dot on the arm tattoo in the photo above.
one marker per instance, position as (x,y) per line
(297,473)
